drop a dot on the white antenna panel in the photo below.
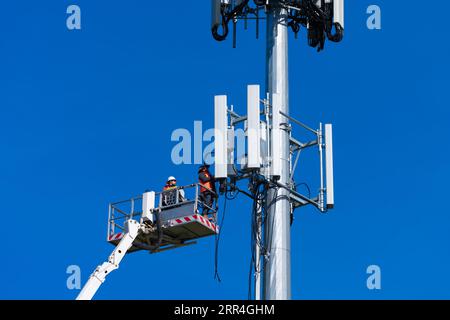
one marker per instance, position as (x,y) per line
(338,8)
(220,136)
(253,127)
(276,136)
(329,165)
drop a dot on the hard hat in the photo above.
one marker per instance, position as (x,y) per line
(203,167)
(171,178)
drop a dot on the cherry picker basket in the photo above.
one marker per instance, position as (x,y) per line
(169,219)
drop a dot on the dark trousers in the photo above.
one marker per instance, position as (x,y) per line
(208,199)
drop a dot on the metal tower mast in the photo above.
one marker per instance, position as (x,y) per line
(322,20)
(277,270)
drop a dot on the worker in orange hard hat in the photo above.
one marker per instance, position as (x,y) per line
(207,189)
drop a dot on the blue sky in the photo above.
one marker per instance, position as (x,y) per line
(86,119)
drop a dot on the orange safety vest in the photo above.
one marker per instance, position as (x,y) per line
(166,187)
(205,185)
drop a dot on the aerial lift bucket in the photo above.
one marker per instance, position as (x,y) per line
(171,219)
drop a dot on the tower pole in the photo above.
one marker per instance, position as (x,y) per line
(258,263)
(277,266)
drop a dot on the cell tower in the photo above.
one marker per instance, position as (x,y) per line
(179,215)
(271,146)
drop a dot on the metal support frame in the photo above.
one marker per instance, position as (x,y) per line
(283,147)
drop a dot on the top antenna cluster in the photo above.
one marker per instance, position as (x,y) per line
(323,19)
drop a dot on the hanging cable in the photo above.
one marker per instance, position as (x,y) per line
(256,222)
(226,18)
(317,20)
(217,238)
(306,186)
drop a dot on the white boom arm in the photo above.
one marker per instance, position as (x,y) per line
(96,279)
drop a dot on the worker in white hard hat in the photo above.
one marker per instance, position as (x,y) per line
(169,197)
(171,183)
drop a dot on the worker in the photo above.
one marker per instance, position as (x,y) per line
(207,189)
(169,197)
